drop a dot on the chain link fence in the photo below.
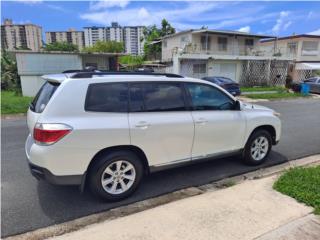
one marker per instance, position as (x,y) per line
(264,72)
(252,72)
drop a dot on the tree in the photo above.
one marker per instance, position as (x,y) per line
(152,33)
(105,47)
(131,62)
(10,79)
(151,51)
(166,28)
(61,46)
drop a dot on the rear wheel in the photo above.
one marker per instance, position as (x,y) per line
(257,147)
(116,175)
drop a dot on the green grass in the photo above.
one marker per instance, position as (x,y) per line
(261,89)
(278,95)
(303,184)
(12,103)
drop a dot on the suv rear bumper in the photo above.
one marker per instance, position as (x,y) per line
(41,173)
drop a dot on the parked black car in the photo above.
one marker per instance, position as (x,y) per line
(226,83)
(313,82)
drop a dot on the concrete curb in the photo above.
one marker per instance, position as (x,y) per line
(112,214)
(13,116)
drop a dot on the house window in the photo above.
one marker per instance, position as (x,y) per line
(205,42)
(249,42)
(292,48)
(222,43)
(309,48)
(199,68)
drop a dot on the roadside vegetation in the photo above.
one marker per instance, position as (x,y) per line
(12,102)
(303,184)
(261,89)
(278,93)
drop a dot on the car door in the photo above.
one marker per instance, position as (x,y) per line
(218,128)
(159,123)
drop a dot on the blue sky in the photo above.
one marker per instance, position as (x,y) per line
(266,17)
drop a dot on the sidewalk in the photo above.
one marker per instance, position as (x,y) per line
(249,210)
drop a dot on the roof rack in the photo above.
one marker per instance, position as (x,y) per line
(81,74)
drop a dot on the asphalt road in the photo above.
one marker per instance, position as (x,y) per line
(28,204)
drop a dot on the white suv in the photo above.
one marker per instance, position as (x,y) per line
(107,130)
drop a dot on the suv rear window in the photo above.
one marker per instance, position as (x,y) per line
(107,97)
(42,98)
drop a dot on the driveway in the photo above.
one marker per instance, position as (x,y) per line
(28,204)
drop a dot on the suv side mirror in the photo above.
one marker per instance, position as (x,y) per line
(237,106)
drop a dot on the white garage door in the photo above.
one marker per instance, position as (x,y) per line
(224,70)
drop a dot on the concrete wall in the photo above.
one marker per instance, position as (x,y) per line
(31,66)
(282,47)
(173,44)
(30,85)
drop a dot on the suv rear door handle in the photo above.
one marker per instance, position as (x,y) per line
(201,121)
(142,125)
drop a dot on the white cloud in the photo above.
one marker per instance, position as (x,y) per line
(287,25)
(282,22)
(244,29)
(57,8)
(315,32)
(29,2)
(215,15)
(104,4)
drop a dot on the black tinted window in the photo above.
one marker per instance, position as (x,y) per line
(156,97)
(107,97)
(43,96)
(205,97)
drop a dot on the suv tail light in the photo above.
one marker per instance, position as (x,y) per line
(50,133)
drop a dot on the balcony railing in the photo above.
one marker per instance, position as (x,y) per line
(239,50)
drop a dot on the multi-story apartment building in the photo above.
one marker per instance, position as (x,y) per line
(304,49)
(131,36)
(134,40)
(233,54)
(70,36)
(21,36)
(114,33)
(94,34)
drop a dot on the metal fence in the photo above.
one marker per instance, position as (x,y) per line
(252,72)
(264,72)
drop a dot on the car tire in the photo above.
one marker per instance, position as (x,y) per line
(257,147)
(116,175)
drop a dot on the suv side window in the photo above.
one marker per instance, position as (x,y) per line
(156,96)
(206,97)
(107,97)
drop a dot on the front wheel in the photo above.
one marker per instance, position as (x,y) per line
(257,147)
(116,175)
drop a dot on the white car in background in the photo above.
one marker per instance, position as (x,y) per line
(107,130)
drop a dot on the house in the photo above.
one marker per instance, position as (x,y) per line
(32,65)
(304,49)
(233,54)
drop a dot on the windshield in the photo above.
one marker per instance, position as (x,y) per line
(43,96)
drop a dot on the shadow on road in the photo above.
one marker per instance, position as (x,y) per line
(61,204)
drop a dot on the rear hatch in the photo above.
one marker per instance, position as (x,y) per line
(40,102)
